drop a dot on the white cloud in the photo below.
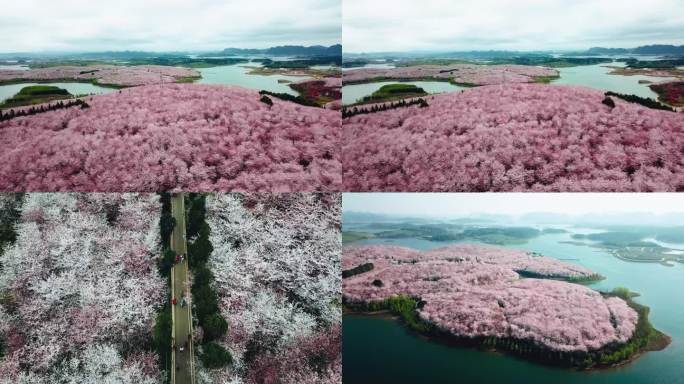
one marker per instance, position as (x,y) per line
(87,25)
(403,25)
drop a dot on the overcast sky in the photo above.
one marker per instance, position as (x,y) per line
(166,25)
(461,204)
(439,25)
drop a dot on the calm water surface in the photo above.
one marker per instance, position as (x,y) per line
(596,76)
(593,76)
(378,350)
(14,67)
(237,75)
(371,65)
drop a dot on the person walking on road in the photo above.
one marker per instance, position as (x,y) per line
(173,301)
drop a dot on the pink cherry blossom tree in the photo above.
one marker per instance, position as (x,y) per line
(81,290)
(518,137)
(276,265)
(187,137)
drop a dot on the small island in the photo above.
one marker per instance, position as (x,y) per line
(36,94)
(391,92)
(476,296)
(635,247)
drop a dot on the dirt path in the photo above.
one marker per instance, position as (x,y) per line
(182,318)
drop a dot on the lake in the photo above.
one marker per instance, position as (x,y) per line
(593,76)
(7,91)
(371,65)
(377,349)
(351,93)
(596,76)
(14,67)
(237,75)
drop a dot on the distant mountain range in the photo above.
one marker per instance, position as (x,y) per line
(656,49)
(289,50)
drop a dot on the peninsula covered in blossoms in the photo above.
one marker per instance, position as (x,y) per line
(544,287)
(502,299)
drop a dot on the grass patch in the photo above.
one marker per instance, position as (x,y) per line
(545,79)
(188,79)
(351,236)
(403,306)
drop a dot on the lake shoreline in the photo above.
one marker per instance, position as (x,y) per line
(442,338)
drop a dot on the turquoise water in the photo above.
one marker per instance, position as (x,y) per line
(596,76)
(351,93)
(7,91)
(237,75)
(379,350)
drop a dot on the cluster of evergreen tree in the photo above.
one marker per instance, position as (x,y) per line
(42,108)
(166,225)
(288,97)
(163,327)
(349,112)
(357,270)
(646,102)
(204,296)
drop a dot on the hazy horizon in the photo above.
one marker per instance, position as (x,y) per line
(437,205)
(80,26)
(436,52)
(523,25)
(189,51)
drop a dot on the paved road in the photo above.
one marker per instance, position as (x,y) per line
(182,324)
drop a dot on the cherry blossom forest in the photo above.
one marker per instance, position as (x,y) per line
(186,137)
(113,75)
(80,289)
(83,288)
(470,74)
(276,265)
(477,291)
(515,137)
